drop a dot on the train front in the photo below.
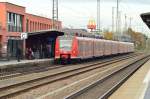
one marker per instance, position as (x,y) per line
(63,49)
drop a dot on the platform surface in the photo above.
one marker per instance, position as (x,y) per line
(11,63)
(137,86)
(147,94)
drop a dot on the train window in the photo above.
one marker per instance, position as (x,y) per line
(65,44)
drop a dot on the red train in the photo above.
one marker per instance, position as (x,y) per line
(72,47)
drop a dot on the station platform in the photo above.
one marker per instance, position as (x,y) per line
(137,86)
(15,63)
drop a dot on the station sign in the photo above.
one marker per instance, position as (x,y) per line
(92,24)
(24,36)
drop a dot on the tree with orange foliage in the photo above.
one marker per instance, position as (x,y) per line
(108,35)
(138,38)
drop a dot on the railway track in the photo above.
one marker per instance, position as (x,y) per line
(104,87)
(14,88)
(20,71)
(15,72)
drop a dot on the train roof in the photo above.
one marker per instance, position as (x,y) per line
(80,33)
(88,38)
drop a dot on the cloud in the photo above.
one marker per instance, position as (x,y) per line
(127,1)
(138,1)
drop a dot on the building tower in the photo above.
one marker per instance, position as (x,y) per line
(55,13)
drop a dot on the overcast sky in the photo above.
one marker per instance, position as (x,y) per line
(76,13)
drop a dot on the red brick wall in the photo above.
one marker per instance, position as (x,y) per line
(3,20)
(15,8)
(37,23)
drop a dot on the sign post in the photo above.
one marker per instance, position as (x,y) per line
(24,36)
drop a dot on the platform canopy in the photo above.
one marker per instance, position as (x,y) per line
(53,33)
(146,18)
(42,42)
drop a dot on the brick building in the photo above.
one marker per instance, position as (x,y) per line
(14,20)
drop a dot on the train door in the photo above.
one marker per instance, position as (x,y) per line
(0,45)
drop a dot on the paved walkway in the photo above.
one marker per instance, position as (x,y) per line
(136,87)
(6,62)
(15,62)
(147,94)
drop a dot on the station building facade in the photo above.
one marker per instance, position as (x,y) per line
(14,20)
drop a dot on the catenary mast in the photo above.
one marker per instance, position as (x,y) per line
(55,13)
(98,16)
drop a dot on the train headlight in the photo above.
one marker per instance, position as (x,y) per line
(74,52)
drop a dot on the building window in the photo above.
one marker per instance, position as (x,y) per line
(27,25)
(42,27)
(30,26)
(21,24)
(47,26)
(38,26)
(35,26)
(51,26)
(14,22)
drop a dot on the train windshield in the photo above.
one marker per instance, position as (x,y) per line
(65,43)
